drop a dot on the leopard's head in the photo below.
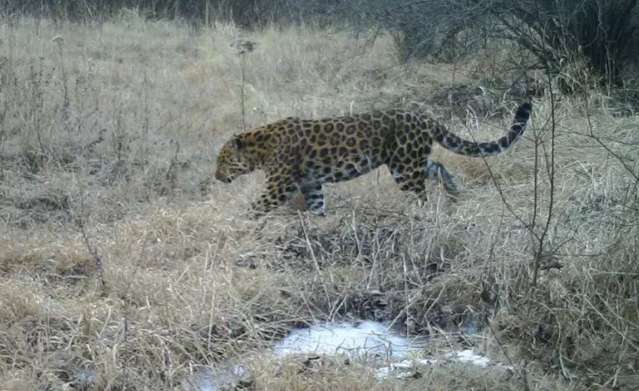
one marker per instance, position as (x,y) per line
(233,160)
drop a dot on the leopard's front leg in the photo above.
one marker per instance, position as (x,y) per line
(314,198)
(279,188)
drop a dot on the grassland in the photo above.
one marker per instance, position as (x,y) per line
(119,255)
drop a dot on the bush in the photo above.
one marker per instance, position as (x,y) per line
(601,31)
(429,28)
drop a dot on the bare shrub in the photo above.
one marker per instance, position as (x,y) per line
(602,32)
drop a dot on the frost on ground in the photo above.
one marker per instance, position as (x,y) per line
(368,339)
(214,379)
(406,368)
(374,342)
(361,339)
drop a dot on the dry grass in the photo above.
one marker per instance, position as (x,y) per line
(115,128)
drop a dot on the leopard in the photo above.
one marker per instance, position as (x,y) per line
(302,155)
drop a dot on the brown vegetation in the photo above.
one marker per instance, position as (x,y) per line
(119,255)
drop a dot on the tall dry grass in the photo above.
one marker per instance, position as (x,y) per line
(108,136)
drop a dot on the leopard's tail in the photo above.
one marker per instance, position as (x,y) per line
(456,144)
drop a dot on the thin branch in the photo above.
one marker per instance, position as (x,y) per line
(551,178)
(93,251)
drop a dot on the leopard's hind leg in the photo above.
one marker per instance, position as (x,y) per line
(436,171)
(412,177)
(409,178)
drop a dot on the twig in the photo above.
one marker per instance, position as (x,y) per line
(507,204)
(551,177)
(65,88)
(243,48)
(309,245)
(242,95)
(523,373)
(93,251)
